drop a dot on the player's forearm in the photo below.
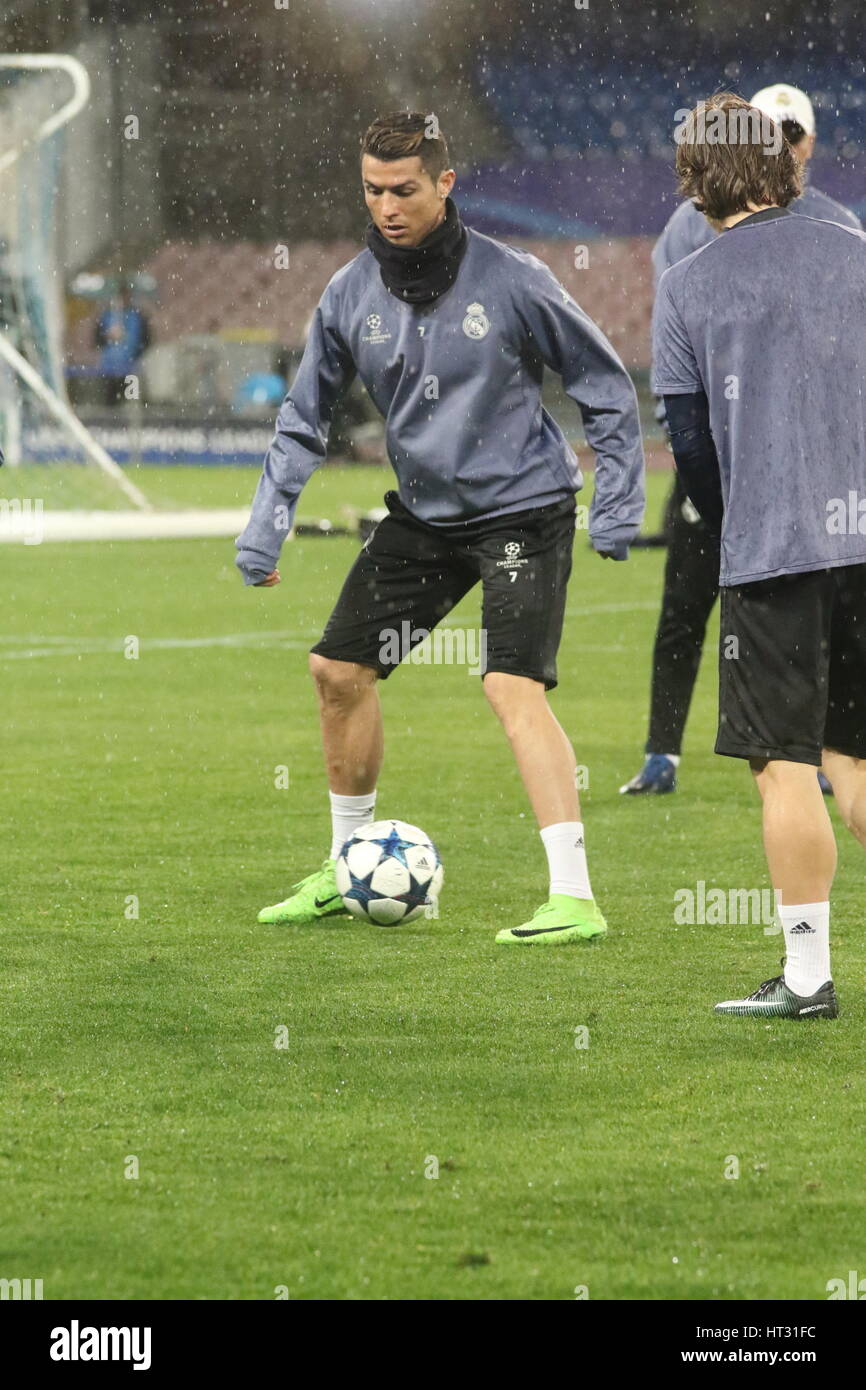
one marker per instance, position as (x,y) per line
(291,459)
(300,444)
(273,512)
(695,455)
(618,498)
(599,383)
(271,519)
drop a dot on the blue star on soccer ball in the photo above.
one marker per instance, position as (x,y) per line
(394,845)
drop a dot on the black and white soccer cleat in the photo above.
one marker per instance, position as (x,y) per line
(773,999)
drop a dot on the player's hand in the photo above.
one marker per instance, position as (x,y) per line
(269,581)
(617,552)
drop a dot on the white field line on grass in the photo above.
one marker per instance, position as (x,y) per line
(113,649)
(114,646)
(22,523)
(289,640)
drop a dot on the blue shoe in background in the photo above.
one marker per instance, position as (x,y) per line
(658,775)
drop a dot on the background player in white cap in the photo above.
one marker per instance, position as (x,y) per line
(687,229)
(692,570)
(775,308)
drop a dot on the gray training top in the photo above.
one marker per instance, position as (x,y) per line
(769,320)
(687,230)
(459,384)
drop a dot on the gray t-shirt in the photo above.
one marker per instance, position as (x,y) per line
(769,320)
(687,230)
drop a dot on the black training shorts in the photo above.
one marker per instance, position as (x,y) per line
(412,573)
(792,666)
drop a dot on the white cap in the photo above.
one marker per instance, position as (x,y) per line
(782,102)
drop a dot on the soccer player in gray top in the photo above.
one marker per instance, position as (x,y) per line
(450,332)
(691,582)
(760,354)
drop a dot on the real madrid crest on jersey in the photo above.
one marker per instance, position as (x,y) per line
(476,323)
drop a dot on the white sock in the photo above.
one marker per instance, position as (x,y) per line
(807,945)
(671,757)
(566,859)
(348,814)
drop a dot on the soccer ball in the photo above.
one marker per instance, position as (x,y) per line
(388,872)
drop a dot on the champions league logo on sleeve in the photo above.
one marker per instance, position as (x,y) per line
(376,334)
(476,323)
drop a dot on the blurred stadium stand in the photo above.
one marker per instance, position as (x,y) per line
(571,104)
(560,123)
(233,291)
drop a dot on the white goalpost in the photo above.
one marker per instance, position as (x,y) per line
(44,62)
(50,398)
(31,332)
(66,417)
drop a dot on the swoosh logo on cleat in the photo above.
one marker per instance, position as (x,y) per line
(541,931)
(755,1004)
(324,901)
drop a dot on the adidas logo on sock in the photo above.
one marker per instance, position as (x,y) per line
(802,929)
(578,844)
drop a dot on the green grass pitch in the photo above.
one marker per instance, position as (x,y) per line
(148,785)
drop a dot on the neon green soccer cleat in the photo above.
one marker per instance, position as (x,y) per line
(560,920)
(312,899)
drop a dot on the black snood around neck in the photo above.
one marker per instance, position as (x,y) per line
(419,274)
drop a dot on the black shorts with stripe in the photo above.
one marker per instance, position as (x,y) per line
(409,575)
(792,666)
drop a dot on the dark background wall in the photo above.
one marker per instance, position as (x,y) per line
(250,115)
